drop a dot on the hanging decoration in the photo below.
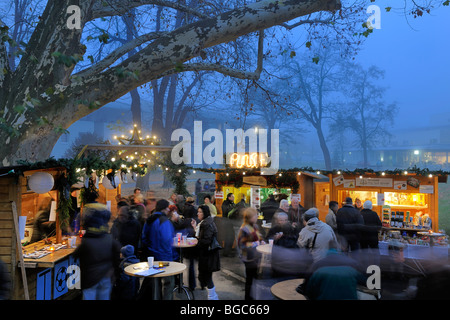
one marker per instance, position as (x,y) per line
(137,139)
(41,182)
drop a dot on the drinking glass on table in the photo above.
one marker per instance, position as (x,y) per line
(150,262)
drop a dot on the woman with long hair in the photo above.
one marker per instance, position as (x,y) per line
(208,260)
(248,239)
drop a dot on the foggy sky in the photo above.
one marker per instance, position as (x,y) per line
(416,60)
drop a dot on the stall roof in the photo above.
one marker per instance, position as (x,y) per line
(315,175)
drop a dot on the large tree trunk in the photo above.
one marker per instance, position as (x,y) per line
(65,98)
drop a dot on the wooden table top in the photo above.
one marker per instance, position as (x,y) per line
(49,260)
(172,269)
(285,290)
(264,248)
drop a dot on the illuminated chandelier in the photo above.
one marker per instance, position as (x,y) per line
(140,153)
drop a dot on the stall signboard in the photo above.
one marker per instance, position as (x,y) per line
(349,183)
(255,200)
(375,182)
(400,185)
(255,180)
(218,194)
(426,189)
(339,180)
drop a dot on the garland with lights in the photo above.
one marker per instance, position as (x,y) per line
(358,171)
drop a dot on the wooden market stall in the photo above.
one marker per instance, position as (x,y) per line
(39,266)
(241,184)
(20,206)
(401,201)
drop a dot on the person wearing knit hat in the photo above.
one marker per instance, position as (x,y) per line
(372,225)
(367,205)
(311,213)
(126,287)
(127,251)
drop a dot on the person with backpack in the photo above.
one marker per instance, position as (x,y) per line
(126,286)
(316,235)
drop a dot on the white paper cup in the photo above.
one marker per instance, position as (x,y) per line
(150,262)
(271,242)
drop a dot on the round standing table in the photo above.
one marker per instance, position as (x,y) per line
(180,286)
(285,290)
(173,269)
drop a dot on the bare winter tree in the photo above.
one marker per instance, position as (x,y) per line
(46,92)
(368,115)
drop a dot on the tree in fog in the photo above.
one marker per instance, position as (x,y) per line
(367,114)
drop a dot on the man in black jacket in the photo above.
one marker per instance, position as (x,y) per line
(269,207)
(99,254)
(349,222)
(228,205)
(372,225)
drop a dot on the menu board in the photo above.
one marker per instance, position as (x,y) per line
(375,182)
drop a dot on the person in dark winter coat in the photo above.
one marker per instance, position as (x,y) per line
(228,206)
(189,210)
(99,254)
(126,228)
(372,225)
(208,260)
(269,207)
(126,286)
(369,235)
(349,222)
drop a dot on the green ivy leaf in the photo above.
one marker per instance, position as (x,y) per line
(19,108)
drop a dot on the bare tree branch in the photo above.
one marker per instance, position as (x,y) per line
(118,53)
(227,71)
(309,21)
(105,8)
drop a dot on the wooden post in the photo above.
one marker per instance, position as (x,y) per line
(19,251)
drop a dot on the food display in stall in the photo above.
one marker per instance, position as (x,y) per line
(42,248)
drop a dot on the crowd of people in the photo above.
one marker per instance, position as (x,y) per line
(302,243)
(144,227)
(326,254)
